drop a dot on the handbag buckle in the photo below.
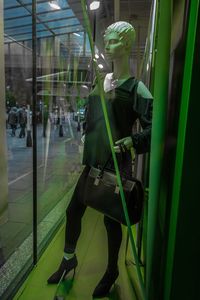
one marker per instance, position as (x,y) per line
(117,189)
(96,182)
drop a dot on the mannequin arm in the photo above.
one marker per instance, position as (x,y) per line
(139,141)
(125,144)
(143,105)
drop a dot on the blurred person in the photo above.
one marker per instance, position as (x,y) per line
(12,120)
(22,119)
(45,119)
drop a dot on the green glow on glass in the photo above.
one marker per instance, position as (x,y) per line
(159,80)
(100,88)
(194,5)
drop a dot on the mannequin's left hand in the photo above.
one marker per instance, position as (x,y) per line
(123,144)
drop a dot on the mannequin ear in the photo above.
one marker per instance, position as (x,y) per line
(127,45)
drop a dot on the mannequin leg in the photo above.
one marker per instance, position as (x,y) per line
(114,236)
(74,214)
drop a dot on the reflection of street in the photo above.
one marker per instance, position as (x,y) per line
(20,156)
(58,165)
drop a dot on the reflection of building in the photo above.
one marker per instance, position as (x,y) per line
(63,87)
(18,65)
(62,45)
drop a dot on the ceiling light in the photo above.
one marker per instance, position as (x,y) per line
(84,86)
(76,34)
(54,5)
(94,5)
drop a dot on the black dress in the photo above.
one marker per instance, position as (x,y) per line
(124,107)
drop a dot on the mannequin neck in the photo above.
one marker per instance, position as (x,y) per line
(121,70)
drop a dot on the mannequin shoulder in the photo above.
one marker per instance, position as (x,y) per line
(143,91)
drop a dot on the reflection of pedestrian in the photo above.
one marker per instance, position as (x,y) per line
(12,120)
(22,117)
(45,120)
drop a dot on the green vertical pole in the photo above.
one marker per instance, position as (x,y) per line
(160,92)
(185,97)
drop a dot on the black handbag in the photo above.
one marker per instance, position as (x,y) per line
(102,193)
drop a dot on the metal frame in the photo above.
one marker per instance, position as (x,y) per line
(34,101)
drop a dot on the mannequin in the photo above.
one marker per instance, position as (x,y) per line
(127,99)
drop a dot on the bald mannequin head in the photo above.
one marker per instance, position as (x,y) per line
(125,31)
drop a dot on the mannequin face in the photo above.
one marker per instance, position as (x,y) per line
(114,47)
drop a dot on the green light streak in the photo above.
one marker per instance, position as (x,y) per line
(159,82)
(180,144)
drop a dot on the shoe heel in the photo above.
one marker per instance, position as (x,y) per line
(74,274)
(62,278)
(66,273)
(104,286)
(65,267)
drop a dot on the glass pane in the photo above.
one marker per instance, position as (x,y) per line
(11,3)
(23,37)
(61,3)
(16,241)
(67,29)
(26,1)
(17,22)
(15,12)
(43,7)
(56,15)
(62,86)
(23,29)
(60,98)
(44,34)
(60,23)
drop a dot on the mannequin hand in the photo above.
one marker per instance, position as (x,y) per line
(123,144)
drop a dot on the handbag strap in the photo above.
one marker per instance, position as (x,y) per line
(134,159)
(107,161)
(120,166)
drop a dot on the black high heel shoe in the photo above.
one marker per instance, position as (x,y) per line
(105,284)
(65,267)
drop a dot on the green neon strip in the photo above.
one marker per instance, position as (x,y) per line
(159,82)
(133,247)
(180,144)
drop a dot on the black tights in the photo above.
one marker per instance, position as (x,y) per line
(74,214)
